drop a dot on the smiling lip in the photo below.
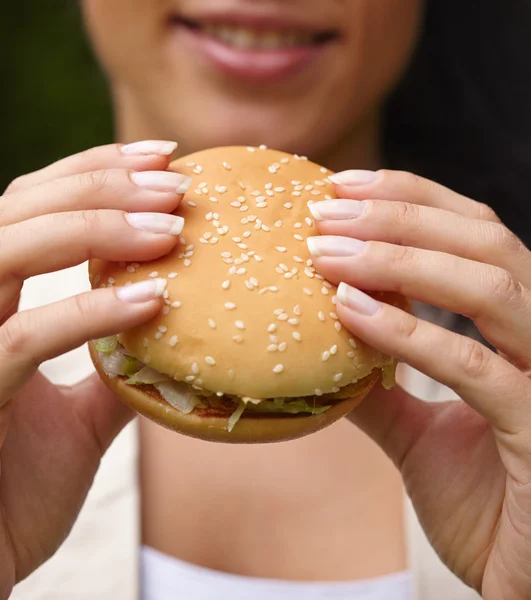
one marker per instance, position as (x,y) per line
(252,48)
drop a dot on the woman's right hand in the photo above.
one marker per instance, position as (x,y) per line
(112,203)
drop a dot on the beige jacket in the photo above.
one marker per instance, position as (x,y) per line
(100,558)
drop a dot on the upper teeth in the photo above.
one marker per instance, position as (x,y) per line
(243,37)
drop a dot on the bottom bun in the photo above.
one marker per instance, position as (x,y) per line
(250,429)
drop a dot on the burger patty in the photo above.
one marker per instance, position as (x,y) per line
(224,406)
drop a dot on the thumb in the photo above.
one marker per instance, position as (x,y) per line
(394,419)
(100,410)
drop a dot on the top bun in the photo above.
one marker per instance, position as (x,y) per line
(246,314)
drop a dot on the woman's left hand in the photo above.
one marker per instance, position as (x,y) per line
(466,464)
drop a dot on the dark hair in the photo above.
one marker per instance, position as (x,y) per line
(462,115)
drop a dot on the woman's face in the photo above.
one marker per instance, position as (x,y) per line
(298,75)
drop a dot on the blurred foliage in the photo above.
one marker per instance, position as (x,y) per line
(54,100)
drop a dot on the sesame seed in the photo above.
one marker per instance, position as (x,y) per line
(283,317)
(321,315)
(261,205)
(166,294)
(296,193)
(333,350)
(280,248)
(308,221)
(232,271)
(189,378)
(272,348)
(239,325)
(316,192)
(195,369)
(246,234)
(284,160)
(309,273)
(318,392)
(241,271)
(337,325)
(293,321)
(323,170)
(213,199)
(244,208)
(296,336)
(162,328)
(298,237)
(297,225)
(236,204)
(212,323)
(282,347)
(279,190)
(176,304)
(190,164)
(226,284)
(166,310)
(174,340)
(237,338)
(288,205)
(334,299)
(351,354)
(210,361)
(298,259)
(153,274)
(307,292)
(145,342)
(242,246)
(265,228)
(220,189)
(231,374)
(187,262)
(353,343)
(278,223)
(283,268)
(325,355)
(192,204)
(338,377)
(226,166)
(334,316)
(249,285)
(172,275)
(130,269)
(278,311)
(272,328)
(273,339)
(254,281)
(325,291)
(278,369)
(334,390)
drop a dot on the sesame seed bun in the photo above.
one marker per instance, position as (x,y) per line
(246,315)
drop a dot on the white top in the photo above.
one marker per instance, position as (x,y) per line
(166,578)
(100,558)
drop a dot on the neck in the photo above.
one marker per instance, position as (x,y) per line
(359,148)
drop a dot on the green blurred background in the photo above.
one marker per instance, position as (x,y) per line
(53,99)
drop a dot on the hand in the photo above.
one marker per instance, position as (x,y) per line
(52,438)
(466,464)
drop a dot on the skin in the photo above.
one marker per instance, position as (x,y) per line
(466,465)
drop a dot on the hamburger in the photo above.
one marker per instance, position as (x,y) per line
(248,346)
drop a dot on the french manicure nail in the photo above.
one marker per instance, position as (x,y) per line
(332,245)
(354,177)
(357,300)
(143,291)
(156,222)
(162,181)
(337,209)
(146,147)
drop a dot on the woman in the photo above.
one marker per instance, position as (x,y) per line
(313,78)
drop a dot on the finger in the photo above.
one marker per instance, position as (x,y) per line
(394,419)
(54,242)
(490,385)
(120,189)
(100,409)
(498,303)
(31,337)
(140,156)
(425,227)
(406,187)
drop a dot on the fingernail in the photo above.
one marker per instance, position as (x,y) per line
(332,245)
(143,291)
(162,181)
(354,177)
(337,209)
(156,222)
(357,301)
(160,147)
